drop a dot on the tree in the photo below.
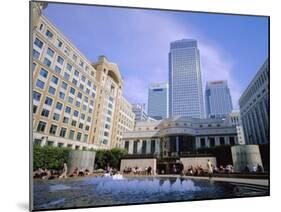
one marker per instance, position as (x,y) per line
(110,157)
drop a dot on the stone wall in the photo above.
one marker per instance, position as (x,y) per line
(141,163)
(81,160)
(244,155)
(194,161)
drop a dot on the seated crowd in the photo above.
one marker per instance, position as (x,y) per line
(138,170)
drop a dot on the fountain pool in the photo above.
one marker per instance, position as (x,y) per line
(104,191)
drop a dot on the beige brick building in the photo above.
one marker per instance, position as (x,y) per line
(75,103)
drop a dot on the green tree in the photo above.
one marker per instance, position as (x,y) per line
(111,157)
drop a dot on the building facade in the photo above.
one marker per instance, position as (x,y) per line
(217,99)
(178,136)
(75,103)
(139,111)
(254,108)
(234,119)
(185,83)
(158,101)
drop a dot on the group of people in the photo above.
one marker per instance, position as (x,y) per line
(138,170)
(47,174)
(255,168)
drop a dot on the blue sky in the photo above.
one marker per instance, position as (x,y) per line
(231,47)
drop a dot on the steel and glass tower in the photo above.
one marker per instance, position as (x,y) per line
(185,83)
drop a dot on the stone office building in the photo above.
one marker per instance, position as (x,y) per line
(254,108)
(173,139)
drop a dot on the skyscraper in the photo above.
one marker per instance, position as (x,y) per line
(185,84)
(139,111)
(158,101)
(217,99)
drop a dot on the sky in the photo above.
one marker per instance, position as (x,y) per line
(231,47)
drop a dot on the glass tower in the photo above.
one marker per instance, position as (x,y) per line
(217,99)
(185,84)
(158,101)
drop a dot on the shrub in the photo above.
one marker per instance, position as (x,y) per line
(111,157)
(49,157)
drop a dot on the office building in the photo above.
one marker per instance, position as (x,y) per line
(217,99)
(76,103)
(139,111)
(158,101)
(254,108)
(234,119)
(185,84)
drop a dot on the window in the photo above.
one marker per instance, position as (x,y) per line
(41,27)
(65,120)
(48,101)
(79,95)
(84,107)
(52,90)
(222,142)
(68,67)
(62,95)
(87,127)
(34,108)
(70,99)
(56,117)
(202,142)
(85,138)
(36,96)
(59,105)
(66,76)
(82,116)
(81,63)
(76,73)
(53,129)
(88,91)
(83,78)
(71,134)
(62,132)
(40,84)
(72,91)
(73,123)
(55,80)
(74,81)
(81,86)
(45,113)
(50,52)
(49,34)
(57,69)
(33,66)
(77,104)
(80,125)
(43,73)
(74,57)
(89,119)
(89,83)
(47,62)
(67,109)
(90,110)
(59,43)
(64,85)
(35,54)
(60,60)
(41,126)
(92,103)
(79,135)
(38,43)
(75,113)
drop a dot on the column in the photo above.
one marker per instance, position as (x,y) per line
(148,146)
(207,142)
(130,149)
(197,142)
(226,140)
(177,145)
(217,141)
(139,146)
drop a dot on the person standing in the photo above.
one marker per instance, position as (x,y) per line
(64,171)
(210,169)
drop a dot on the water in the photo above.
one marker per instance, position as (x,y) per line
(103,191)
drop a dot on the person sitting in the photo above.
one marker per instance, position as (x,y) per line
(74,173)
(81,173)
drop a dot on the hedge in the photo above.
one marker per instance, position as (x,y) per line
(49,157)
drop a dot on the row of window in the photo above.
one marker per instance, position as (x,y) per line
(62,133)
